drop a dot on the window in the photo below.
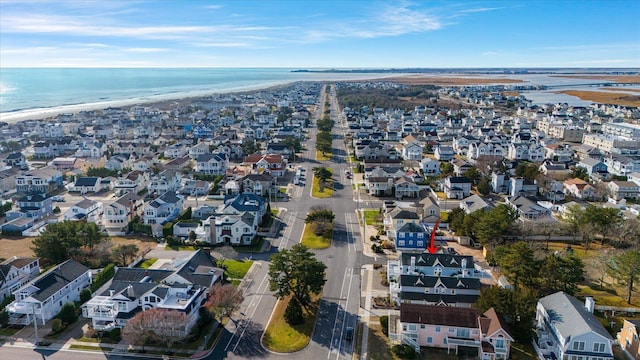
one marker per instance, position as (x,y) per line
(429,340)
(499,343)
(598,347)
(422,326)
(400,242)
(438,328)
(462,333)
(578,345)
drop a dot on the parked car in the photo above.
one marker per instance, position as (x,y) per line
(57,198)
(349,334)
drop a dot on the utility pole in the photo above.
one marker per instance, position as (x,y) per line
(35,323)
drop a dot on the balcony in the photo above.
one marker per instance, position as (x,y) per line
(463,342)
(545,345)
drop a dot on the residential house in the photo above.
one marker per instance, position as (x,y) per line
(621,165)
(198,149)
(430,167)
(233,229)
(85,210)
(16,159)
(460,166)
(44,296)
(474,203)
(593,166)
(628,340)
(623,190)
(32,205)
(523,187)
(527,209)
(567,329)
(85,185)
(443,153)
(405,187)
(259,184)
(452,327)
(15,272)
(579,189)
(397,217)
(43,180)
(411,236)
(195,187)
(179,286)
(434,279)
(167,180)
(134,182)
(118,162)
(457,187)
(273,164)
(175,151)
(163,209)
(211,164)
(118,214)
(64,163)
(412,151)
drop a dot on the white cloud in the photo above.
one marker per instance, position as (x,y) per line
(477,10)
(146,50)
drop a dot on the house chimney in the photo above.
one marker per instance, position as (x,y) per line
(463,266)
(130,291)
(589,304)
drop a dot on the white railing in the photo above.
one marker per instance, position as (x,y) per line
(411,342)
(463,342)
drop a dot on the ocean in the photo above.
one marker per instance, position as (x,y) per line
(28,90)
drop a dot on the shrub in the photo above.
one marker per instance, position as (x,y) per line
(56,325)
(103,276)
(387,244)
(404,351)
(115,334)
(90,332)
(322,227)
(68,313)
(384,322)
(293,313)
(377,248)
(167,229)
(4,318)
(85,295)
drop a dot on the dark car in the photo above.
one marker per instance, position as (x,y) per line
(349,334)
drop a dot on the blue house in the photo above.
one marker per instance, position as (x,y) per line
(411,236)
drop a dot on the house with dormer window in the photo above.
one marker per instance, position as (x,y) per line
(211,164)
(163,209)
(16,272)
(566,328)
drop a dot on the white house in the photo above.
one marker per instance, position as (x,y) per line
(211,164)
(167,180)
(85,210)
(567,329)
(85,185)
(117,215)
(164,208)
(430,167)
(44,296)
(15,272)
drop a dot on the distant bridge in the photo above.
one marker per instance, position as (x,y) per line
(599,84)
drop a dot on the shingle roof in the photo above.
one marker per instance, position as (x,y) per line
(446,260)
(448,282)
(57,278)
(439,315)
(569,316)
(86,181)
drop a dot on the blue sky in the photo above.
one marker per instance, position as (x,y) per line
(322,34)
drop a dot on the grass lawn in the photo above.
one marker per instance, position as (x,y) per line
(325,193)
(104,340)
(522,351)
(282,337)
(181,248)
(441,195)
(147,263)
(250,248)
(9,331)
(379,347)
(89,347)
(351,158)
(322,157)
(370,215)
(236,269)
(312,241)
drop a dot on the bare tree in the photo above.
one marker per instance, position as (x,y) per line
(124,253)
(224,300)
(139,330)
(171,326)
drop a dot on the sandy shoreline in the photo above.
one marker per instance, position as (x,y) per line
(43,113)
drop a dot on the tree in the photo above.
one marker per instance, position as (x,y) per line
(494,224)
(561,272)
(527,170)
(518,262)
(323,174)
(484,186)
(68,239)
(293,314)
(573,217)
(456,219)
(628,231)
(324,142)
(625,268)
(68,313)
(170,325)
(580,173)
(123,254)
(293,143)
(516,306)
(85,295)
(224,300)
(139,330)
(603,218)
(249,146)
(446,168)
(296,272)
(473,174)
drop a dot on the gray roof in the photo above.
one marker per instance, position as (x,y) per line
(137,274)
(57,278)
(86,181)
(190,269)
(448,282)
(447,260)
(570,317)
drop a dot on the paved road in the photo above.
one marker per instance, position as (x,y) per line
(341,296)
